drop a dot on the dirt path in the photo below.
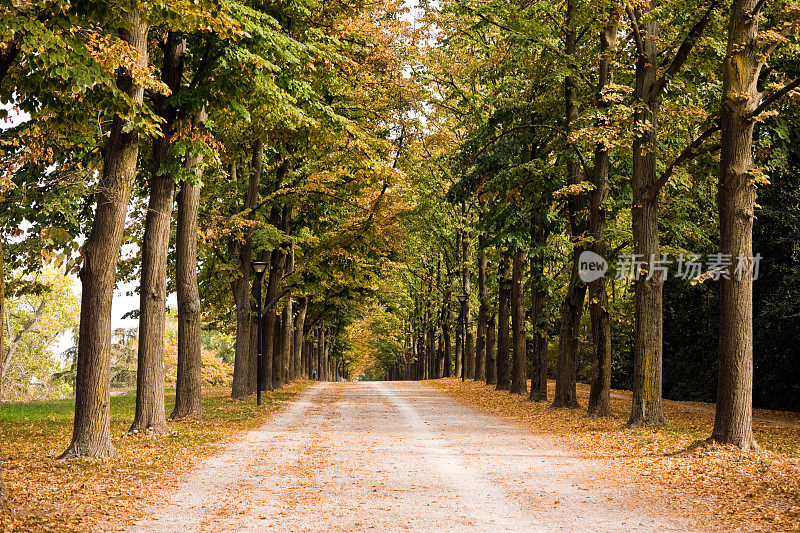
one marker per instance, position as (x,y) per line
(399,456)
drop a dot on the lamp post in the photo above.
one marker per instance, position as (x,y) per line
(462,315)
(259,267)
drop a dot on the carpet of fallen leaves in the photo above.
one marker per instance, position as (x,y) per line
(716,488)
(48,494)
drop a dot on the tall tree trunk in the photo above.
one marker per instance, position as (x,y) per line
(91,434)
(572,306)
(189,385)
(648,341)
(733,420)
(600,393)
(244,359)
(519,373)
(446,336)
(503,378)
(567,362)
(459,342)
(287,337)
(277,352)
(299,323)
(539,340)
(483,309)
(469,338)
(3,490)
(150,411)
(491,350)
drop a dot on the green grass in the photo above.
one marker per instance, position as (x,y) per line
(48,494)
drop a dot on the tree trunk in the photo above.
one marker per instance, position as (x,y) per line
(469,338)
(150,411)
(733,421)
(491,350)
(299,323)
(648,342)
(244,359)
(600,393)
(3,490)
(539,340)
(572,306)
(277,352)
(446,337)
(483,310)
(189,385)
(91,434)
(503,379)
(567,362)
(519,373)
(287,337)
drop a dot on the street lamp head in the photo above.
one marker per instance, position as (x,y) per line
(259,266)
(462,297)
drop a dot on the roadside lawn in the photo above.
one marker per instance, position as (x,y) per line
(47,494)
(717,488)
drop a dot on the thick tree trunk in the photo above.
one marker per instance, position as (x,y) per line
(459,342)
(648,342)
(189,385)
(277,352)
(299,323)
(572,306)
(287,337)
(600,393)
(503,311)
(245,360)
(491,350)
(519,373)
(150,411)
(483,312)
(91,431)
(567,362)
(469,338)
(733,421)
(3,490)
(446,337)
(539,341)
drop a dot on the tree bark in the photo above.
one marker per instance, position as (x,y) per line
(503,378)
(299,323)
(3,490)
(491,350)
(733,420)
(469,338)
(483,309)
(567,362)
(189,384)
(519,373)
(539,340)
(600,393)
(287,337)
(244,361)
(91,434)
(150,411)
(648,342)
(572,306)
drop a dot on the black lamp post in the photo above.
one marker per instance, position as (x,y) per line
(259,267)
(462,316)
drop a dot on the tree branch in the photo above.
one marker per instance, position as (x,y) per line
(774,97)
(690,152)
(684,50)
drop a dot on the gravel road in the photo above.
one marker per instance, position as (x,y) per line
(396,456)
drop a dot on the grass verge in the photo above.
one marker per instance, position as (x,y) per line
(716,488)
(47,494)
